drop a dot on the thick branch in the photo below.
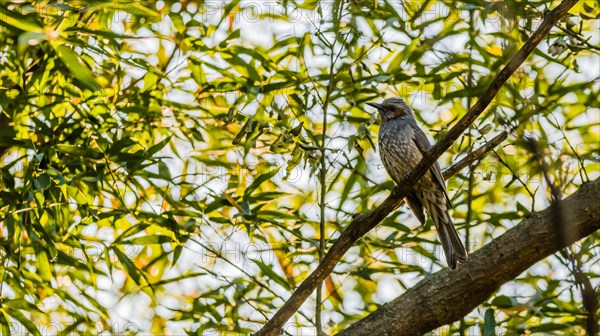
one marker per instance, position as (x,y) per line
(448,295)
(363,223)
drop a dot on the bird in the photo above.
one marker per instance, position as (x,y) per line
(401,145)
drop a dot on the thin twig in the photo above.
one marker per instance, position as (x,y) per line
(589,299)
(475,155)
(323,172)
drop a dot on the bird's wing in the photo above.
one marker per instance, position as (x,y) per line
(423,144)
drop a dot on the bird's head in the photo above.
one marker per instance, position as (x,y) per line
(392,108)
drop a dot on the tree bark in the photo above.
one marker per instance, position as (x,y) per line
(449,295)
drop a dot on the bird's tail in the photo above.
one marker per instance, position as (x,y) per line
(453,246)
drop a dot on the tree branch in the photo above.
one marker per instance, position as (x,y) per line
(448,295)
(475,155)
(363,223)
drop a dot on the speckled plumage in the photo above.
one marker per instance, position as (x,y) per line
(401,144)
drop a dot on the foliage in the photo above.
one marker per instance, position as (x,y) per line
(170,156)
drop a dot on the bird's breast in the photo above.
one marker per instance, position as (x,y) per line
(398,151)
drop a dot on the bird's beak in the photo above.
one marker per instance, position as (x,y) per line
(375,105)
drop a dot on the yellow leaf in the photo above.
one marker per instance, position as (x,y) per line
(495,50)
(332,290)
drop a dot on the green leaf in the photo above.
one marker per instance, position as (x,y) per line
(197,72)
(136,274)
(129,266)
(4,324)
(55,174)
(260,180)
(489,323)
(147,240)
(22,304)
(234,35)
(78,68)
(27,323)
(502,301)
(155,148)
(150,80)
(121,144)
(240,65)
(176,254)
(270,273)
(547,327)
(19,21)
(163,170)
(177,22)
(43,265)
(245,129)
(130,232)
(79,151)
(523,209)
